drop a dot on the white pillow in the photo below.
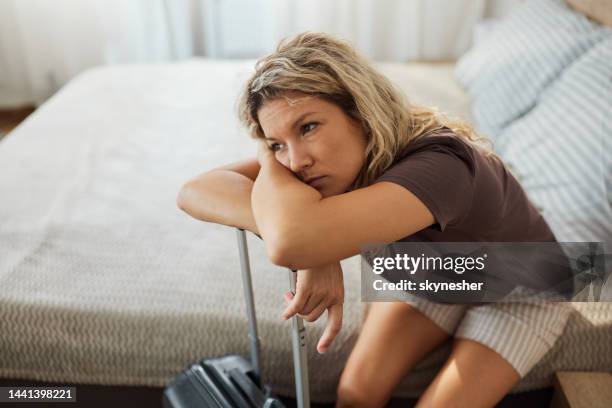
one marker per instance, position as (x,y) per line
(561,151)
(505,72)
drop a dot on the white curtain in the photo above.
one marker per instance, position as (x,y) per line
(393,30)
(43,43)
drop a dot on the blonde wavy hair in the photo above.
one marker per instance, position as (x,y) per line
(320,65)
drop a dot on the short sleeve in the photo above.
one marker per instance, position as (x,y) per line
(442,179)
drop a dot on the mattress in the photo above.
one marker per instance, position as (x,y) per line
(105,281)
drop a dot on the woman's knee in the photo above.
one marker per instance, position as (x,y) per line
(394,338)
(351,392)
(473,376)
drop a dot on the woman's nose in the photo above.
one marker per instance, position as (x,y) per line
(299,159)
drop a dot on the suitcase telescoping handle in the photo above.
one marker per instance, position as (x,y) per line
(298,331)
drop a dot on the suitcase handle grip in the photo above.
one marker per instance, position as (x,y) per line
(253,392)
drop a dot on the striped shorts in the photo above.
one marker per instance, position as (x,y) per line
(521,332)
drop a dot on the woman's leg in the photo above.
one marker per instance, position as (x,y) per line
(473,376)
(497,345)
(394,337)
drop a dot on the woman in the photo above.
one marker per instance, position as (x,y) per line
(344,160)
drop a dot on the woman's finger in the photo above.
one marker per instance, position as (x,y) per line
(287,297)
(334,324)
(314,315)
(296,304)
(311,304)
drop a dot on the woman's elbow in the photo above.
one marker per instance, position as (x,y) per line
(283,251)
(275,256)
(277,248)
(280,257)
(287,258)
(183,197)
(189,200)
(273,249)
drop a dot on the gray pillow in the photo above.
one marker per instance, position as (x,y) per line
(505,72)
(561,151)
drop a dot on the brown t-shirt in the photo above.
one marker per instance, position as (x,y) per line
(473,197)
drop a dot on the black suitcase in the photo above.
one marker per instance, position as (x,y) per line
(233,381)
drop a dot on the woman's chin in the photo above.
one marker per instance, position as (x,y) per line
(325,192)
(330,191)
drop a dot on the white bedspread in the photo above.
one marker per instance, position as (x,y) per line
(103,280)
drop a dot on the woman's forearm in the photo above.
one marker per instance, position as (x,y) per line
(280,201)
(220,196)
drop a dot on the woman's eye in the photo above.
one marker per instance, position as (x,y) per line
(306,128)
(274,147)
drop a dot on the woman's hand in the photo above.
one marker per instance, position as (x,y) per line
(319,289)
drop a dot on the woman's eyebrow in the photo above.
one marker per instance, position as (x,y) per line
(296,122)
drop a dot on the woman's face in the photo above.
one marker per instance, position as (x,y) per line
(314,138)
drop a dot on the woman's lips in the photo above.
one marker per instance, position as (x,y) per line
(316,182)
